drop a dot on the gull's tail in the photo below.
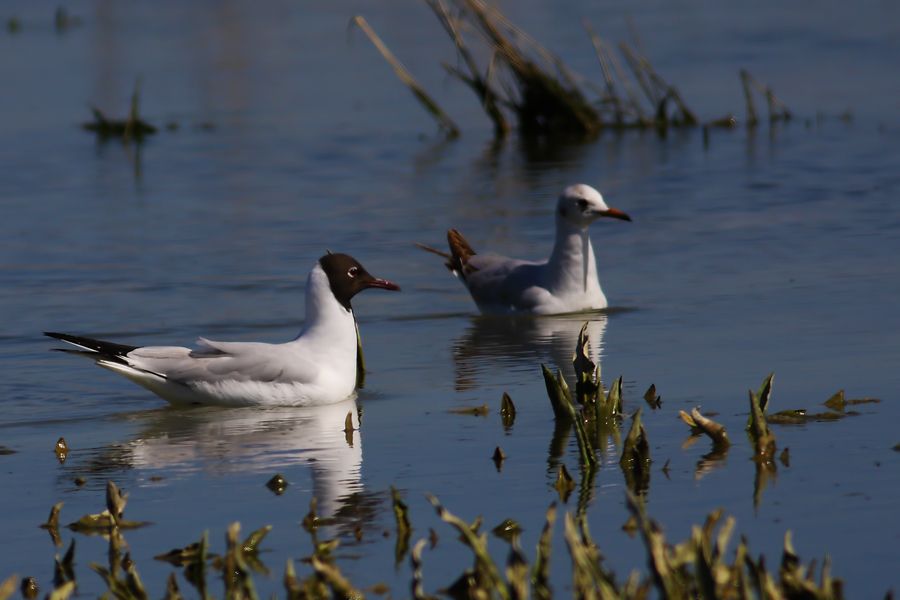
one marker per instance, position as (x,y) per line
(461,252)
(91,348)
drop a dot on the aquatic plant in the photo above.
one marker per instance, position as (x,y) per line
(133,127)
(403,74)
(546,97)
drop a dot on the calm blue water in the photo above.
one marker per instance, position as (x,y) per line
(774,250)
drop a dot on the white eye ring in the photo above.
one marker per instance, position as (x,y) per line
(352,272)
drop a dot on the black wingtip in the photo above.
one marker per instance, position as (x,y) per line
(99,346)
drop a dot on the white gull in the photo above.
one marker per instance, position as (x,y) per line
(564,283)
(317,367)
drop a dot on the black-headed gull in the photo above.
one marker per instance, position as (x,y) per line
(317,367)
(564,283)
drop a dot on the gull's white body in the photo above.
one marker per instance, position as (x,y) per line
(564,283)
(317,367)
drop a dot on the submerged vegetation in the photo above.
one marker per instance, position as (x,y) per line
(699,566)
(132,127)
(696,567)
(525,82)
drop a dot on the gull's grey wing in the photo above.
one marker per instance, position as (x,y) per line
(225,361)
(504,283)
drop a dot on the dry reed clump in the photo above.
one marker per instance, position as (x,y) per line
(526,83)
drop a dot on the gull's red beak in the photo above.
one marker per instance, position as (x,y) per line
(383,284)
(615,213)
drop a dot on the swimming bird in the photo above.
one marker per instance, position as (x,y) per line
(317,367)
(564,283)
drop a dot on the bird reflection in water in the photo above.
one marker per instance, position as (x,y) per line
(218,442)
(521,343)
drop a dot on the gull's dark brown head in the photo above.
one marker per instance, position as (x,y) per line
(347,277)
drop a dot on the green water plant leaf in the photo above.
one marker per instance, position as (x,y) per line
(540,571)
(277,484)
(61,449)
(446,123)
(52,524)
(564,483)
(635,459)
(498,457)
(251,544)
(115,500)
(62,592)
(715,431)
(101,523)
(29,588)
(563,407)
(507,529)
(486,574)
(761,398)
(415,560)
(587,374)
(172,591)
(837,401)
(404,529)
(507,411)
(652,398)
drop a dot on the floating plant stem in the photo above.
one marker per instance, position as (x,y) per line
(61,450)
(251,544)
(172,591)
(700,423)
(635,459)
(29,588)
(652,398)
(348,428)
(236,573)
(498,457)
(564,483)
(540,571)
(52,524)
(589,579)
(545,104)
(401,516)
(757,428)
(132,127)
(561,399)
(445,122)
(507,411)
(587,374)
(752,119)
(415,559)
(606,68)
(490,100)
(837,401)
(115,500)
(613,406)
(486,571)
(62,592)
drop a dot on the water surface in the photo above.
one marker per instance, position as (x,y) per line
(771,250)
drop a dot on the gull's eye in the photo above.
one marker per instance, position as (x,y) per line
(352,272)
(582,204)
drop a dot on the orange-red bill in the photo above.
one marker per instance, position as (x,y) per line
(615,213)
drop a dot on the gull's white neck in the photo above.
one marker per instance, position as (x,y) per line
(327,321)
(572,266)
